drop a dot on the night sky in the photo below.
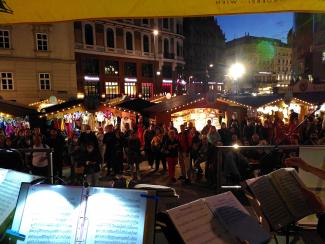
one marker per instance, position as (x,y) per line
(261,25)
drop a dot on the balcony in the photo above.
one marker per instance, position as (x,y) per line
(169,55)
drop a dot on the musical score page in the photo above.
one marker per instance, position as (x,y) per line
(236,218)
(116,216)
(9,189)
(196,224)
(289,186)
(50,214)
(271,203)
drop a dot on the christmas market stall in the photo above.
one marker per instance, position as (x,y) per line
(197,109)
(15,116)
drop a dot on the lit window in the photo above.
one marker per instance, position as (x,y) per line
(130,89)
(323,57)
(111,89)
(147,90)
(7,82)
(4,39)
(44,81)
(42,41)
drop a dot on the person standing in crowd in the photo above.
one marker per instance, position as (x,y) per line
(88,136)
(134,154)
(39,159)
(171,127)
(184,155)
(206,128)
(148,136)
(194,140)
(100,137)
(118,159)
(213,136)
(56,141)
(225,134)
(109,142)
(74,152)
(156,147)
(91,162)
(171,149)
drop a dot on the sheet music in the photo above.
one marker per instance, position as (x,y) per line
(9,189)
(50,214)
(290,190)
(236,218)
(271,203)
(196,224)
(115,216)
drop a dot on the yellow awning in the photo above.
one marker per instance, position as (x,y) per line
(32,11)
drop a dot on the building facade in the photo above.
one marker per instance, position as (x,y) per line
(137,58)
(309,47)
(267,62)
(204,47)
(36,62)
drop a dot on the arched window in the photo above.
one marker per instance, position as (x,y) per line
(129,40)
(145,43)
(89,35)
(110,38)
(166,46)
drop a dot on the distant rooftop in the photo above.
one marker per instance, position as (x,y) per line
(253,39)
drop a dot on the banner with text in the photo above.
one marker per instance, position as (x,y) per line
(32,11)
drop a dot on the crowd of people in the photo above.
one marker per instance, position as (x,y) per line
(121,151)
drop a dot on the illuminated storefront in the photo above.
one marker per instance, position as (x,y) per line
(199,117)
(112,89)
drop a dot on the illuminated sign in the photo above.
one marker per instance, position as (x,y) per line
(167,81)
(91,78)
(130,80)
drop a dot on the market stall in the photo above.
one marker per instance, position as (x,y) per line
(15,116)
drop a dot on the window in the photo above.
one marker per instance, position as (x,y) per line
(166,23)
(44,81)
(167,71)
(4,39)
(179,50)
(89,35)
(91,88)
(7,82)
(179,28)
(42,41)
(110,42)
(147,90)
(130,69)
(147,70)
(91,66)
(145,22)
(111,67)
(166,46)
(145,43)
(129,40)
(111,89)
(130,89)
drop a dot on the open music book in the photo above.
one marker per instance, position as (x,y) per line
(10,181)
(67,214)
(217,219)
(280,197)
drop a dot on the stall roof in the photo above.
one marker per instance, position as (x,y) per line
(137,105)
(255,101)
(174,102)
(311,97)
(61,106)
(15,109)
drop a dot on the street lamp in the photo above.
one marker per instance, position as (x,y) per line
(236,71)
(211,65)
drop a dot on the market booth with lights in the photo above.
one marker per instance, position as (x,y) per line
(14,115)
(72,115)
(197,109)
